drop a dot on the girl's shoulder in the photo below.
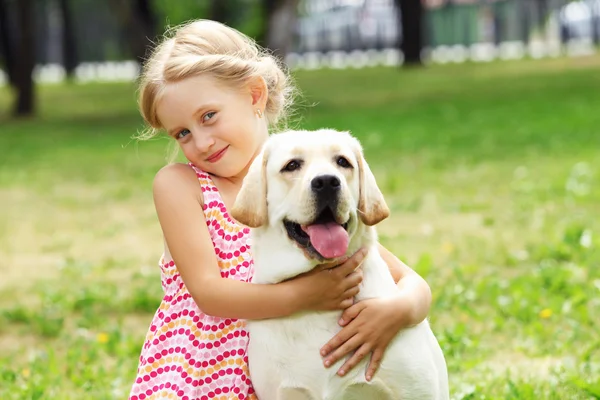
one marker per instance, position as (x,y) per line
(180,178)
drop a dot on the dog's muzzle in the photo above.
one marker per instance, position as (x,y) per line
(325,237)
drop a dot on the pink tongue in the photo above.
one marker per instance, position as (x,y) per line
(330,240)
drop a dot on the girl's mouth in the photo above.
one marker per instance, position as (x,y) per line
(217,156)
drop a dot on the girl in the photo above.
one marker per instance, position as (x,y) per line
(216,92)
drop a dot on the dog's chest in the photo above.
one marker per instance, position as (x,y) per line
(294,342)
(285,353)
(300,331)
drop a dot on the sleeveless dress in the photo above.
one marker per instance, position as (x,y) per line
(187,354)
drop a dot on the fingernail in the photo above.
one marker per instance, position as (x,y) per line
(342,372)
(341,321)
(368,377)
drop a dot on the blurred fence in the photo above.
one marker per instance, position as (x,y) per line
(342,33)
(347,33)
(348,25)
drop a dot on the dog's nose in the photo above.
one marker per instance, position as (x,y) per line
(325,183)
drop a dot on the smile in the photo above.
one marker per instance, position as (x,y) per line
(217,156)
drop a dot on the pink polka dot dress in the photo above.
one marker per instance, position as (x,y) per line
(187,354)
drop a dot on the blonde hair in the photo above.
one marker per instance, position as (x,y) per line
(209,47)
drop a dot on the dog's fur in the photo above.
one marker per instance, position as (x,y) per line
(283,353)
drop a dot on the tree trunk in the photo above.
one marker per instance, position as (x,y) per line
(139,23)
(525,21)
(7,43)
(595,19)
(280,22)
(25,60)
(411,21)
(145,22)
(542,15)
(69,47)
(220,10)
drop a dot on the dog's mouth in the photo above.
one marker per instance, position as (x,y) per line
(324,237)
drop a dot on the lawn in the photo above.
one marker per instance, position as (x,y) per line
(492,174)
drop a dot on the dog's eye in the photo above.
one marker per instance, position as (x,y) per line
(292,166)
(343,162)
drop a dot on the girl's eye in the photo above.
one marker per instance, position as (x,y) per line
(343,162)
(182,133)
(208,116)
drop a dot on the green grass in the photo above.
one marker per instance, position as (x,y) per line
(492,173)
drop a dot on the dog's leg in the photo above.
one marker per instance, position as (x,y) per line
(374,390)
(292,393)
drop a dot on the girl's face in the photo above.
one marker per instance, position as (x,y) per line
(216,126)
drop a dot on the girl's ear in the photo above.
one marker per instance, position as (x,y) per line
(258,92)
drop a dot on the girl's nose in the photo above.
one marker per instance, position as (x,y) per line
(203,142)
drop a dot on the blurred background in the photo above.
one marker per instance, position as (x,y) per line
(479,119)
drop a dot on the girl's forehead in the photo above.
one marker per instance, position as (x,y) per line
(200,89)
(198,85)
(185,97)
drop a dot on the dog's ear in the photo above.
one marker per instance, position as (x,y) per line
(250,207)
(372,207)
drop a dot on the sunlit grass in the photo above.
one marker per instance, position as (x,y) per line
(492,173)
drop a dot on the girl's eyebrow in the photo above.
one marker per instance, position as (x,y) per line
(174,131)
(204,107)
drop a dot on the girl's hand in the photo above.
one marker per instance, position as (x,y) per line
(331,286)
(368,326)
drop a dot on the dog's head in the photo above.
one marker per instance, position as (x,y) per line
(316,185)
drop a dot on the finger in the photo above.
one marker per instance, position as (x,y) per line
(351,312)
(344,304)
(353,262)
(338,339)
(374,363)
(350,293)
(333,264)
(357,274)
(355,359)
(352,280)
(344,348)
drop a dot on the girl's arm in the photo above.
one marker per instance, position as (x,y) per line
(178,201)
(415,288)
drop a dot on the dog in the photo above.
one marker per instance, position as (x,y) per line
(310,197)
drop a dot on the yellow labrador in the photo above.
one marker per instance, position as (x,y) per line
(310,197)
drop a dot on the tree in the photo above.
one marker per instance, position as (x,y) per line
(595,20)
(69,47)
(25,59)
(138,20)
(221,11)
(525,12)
(6,42)
(279,16)
(411,22)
